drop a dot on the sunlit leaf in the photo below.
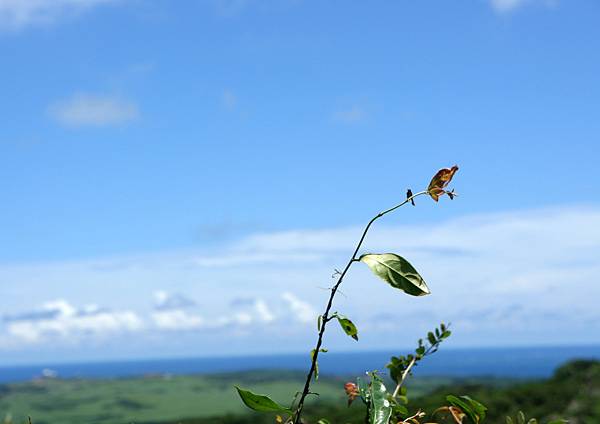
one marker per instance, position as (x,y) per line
(440,181)
(363,390)
(348,326)
(381,410)
(260,403)
(397,272)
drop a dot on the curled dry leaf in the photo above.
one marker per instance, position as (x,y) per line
(440,181)
(351,391)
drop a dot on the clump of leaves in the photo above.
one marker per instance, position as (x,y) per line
(401,366)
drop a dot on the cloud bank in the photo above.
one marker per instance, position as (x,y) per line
(514,278)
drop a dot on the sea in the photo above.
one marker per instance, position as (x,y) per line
(518,363)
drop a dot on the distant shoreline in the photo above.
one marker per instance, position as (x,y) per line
(510,362)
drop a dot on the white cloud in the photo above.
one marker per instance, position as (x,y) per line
(503,6)
(60,319)
(17,14)
(505,278)
(300,310)
(173,313)
(165,301)
(178,319)
(252,258)
(263,312)
(94,110)
(350,115)
(507,6)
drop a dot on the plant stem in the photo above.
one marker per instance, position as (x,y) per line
(326,317)
(404,375)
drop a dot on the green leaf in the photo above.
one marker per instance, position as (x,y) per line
(363,390)
(431,338)
(348,326)
(323,421)
(397,272)
(261,403)
(474,410)
(520,417)
(381,410)
(312,355)
(400,410)
(509,420)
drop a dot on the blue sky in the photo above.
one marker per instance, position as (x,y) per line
(184,176)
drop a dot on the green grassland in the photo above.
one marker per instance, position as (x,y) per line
(154,399)
(572,393)
(148,399)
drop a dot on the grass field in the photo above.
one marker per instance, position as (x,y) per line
(159,398)
(573,393)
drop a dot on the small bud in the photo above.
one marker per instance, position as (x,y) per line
(409,194)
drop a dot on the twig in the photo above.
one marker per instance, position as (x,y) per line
(412,362)
(404,375)
(326,317)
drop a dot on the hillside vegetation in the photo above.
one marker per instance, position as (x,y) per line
(572,393)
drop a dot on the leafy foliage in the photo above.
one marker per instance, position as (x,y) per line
(399,365)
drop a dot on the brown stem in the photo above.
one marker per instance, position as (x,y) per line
(326,317)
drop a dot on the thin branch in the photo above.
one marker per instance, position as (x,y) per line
(413,361)
(334,289)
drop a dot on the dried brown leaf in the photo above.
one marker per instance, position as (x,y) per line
(440,181)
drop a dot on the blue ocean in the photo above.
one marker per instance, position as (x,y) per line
(534,362)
